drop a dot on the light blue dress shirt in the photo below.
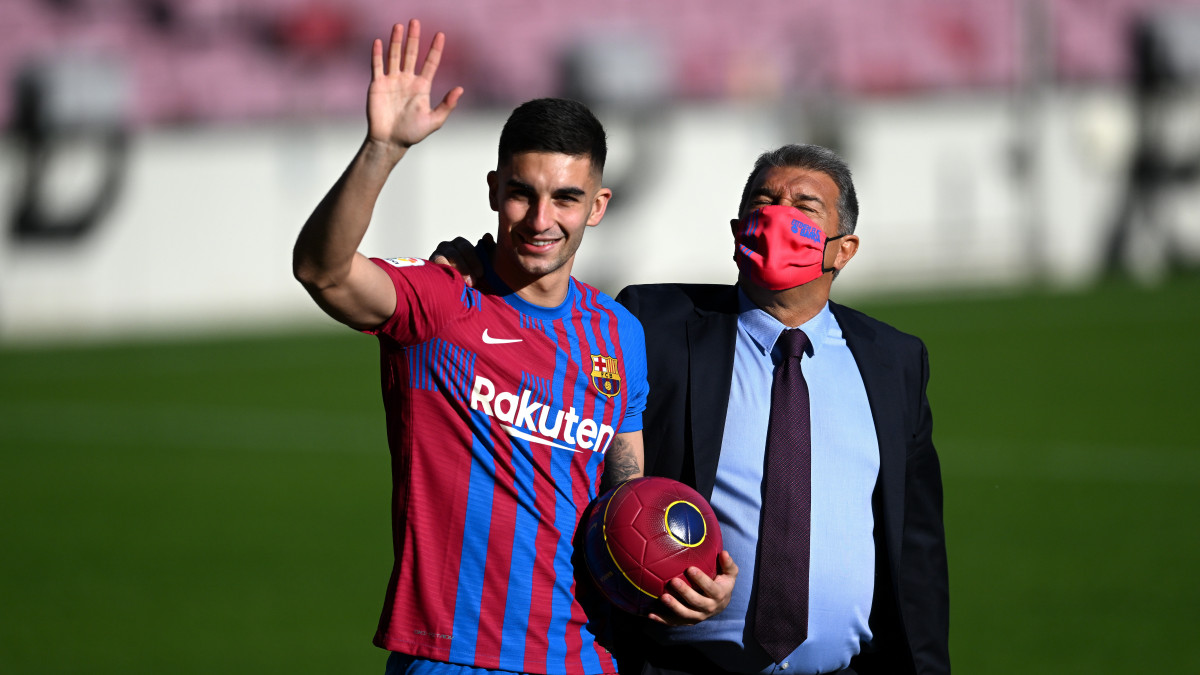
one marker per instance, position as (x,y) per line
(845,465)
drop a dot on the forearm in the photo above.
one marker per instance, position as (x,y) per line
(623,460)
(326,246)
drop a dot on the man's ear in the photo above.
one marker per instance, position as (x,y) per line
(847,247)
(493,198)
(599,206)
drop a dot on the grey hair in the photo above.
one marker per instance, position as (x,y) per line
(814,158)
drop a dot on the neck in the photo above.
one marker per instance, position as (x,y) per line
(544,294)
(547,290)
(791,306)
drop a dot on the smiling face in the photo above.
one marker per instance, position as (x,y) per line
(544,201)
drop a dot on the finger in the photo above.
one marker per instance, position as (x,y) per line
(434,57)
(448,104)
(394,49)
(468,257)
(468,252)
(702,593)
(447,253)
(678,613)
(461,244)
(412,46)
(693,598)
(728,567)
(377,59)
(657,619)
(457,255)
(699,580)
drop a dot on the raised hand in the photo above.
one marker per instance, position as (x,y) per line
(399,113)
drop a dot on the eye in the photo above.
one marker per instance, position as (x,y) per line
(567,197)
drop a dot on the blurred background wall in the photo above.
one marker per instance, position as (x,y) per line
(161,155)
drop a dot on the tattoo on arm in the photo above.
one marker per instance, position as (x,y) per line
(620,463)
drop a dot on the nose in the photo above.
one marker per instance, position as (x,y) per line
(539,217)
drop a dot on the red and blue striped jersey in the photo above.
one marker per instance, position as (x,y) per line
(499,413)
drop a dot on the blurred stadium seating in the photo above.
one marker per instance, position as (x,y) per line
(227,61)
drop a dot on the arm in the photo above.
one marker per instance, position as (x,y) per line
(623,460)
(342,281)
(925,587)
(912,630)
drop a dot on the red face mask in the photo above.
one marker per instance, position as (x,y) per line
(777,247)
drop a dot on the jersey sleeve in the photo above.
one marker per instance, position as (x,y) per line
(633,348)
(428,296)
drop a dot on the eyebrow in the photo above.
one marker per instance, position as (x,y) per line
(569,191)
(513,183)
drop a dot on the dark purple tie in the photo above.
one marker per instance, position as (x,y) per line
(781,614)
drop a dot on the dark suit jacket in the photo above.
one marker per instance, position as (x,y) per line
(690,336)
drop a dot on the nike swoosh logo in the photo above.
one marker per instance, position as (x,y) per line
(534,439)
(488,339)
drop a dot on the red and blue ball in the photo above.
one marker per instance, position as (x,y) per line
(645,532)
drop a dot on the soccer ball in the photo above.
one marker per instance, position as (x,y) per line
(645,532)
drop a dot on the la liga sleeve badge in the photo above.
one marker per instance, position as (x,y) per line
(606,376)
(404,262)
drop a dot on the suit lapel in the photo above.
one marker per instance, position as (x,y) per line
(879,378)
(711,336)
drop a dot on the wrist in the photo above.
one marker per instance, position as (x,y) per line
(386,153)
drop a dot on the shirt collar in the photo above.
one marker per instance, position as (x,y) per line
(765,329)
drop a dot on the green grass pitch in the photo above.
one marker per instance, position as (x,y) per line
(221,504)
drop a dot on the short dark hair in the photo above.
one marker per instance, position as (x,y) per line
(558,125)
(815,158)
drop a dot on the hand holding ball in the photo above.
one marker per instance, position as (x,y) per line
(645,532)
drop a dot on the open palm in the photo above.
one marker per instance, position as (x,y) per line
(398,106)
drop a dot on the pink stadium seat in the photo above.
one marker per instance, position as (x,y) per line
(230,60)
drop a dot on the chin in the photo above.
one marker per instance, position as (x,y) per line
(540,268)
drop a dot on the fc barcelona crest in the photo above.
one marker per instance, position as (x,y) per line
(605,376)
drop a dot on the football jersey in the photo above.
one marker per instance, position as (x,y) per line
(499,413)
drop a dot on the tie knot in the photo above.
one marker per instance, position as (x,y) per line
(792,342)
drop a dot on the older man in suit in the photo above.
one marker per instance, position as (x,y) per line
(858,517)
